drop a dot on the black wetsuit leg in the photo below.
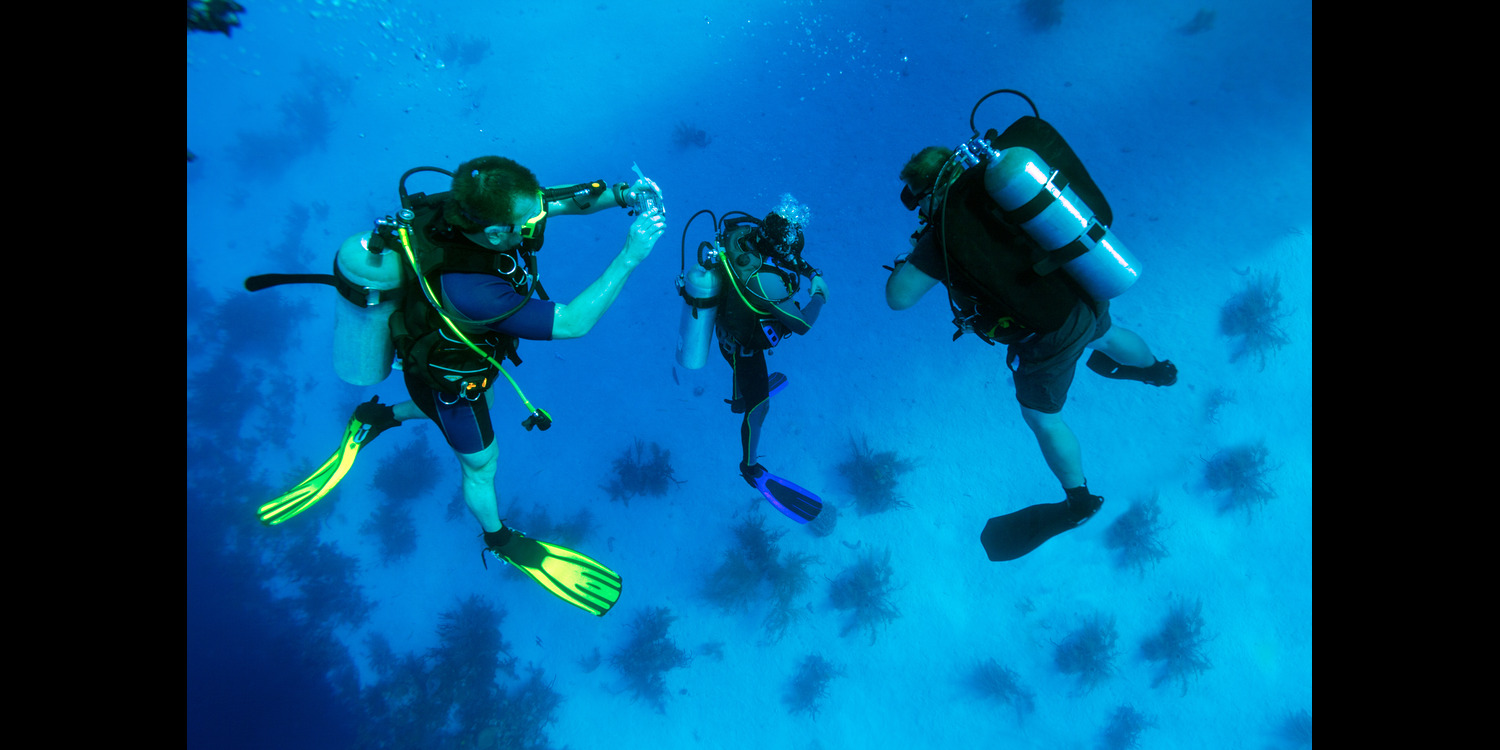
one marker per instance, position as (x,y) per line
(752,384)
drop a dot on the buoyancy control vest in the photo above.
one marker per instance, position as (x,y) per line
(746,316)
(425,346)
(992,264)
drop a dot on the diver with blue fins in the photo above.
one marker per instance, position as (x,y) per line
(741,291)
(450,284)
(1018,233)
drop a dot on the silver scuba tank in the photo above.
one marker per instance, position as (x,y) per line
(369,284)
(1017,175)
(699,286)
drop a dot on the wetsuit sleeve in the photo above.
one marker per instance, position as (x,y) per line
(532,322)
(478,296)
(798,320)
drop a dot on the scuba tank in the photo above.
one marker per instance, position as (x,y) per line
(1060,221)
(1039,200)
(699,287)
(369,285)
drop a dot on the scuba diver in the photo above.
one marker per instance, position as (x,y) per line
(450,284)
(1018,233)
(742,291)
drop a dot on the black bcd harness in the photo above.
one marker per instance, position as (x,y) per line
(425,346)
(1007,286)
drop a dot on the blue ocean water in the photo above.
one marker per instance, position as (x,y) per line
(370,622)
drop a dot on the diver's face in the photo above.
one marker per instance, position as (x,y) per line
(924,200)
(525,213)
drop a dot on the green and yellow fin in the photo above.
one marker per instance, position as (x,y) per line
(571,576)
(322,481)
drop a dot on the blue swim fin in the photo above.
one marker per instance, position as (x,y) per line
(797,503)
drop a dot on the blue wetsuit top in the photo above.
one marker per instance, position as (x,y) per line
(480,296)
(466,424)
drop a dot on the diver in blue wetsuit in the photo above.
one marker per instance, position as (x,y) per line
(465,287)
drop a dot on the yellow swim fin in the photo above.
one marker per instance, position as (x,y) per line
(571,576)
(369,420)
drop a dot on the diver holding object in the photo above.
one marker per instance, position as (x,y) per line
(450,284)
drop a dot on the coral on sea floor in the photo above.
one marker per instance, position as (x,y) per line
(873,477)
(1216,401)
(649,655)
(864,590)
(1089,652)
(809,687)
(1239,473)
(1135,536)
(1001,684)
(736,583)
(451,696)
(1124,729)
(635,474)
(1179,645)
(1254,316)
(789,578)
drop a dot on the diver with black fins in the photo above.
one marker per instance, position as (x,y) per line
(742,292)
(450,285)
(1018,233)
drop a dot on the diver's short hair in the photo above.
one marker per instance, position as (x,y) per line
(485,191)
(921,169)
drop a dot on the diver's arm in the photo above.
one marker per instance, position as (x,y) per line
(578,317)
(906,286)
(797,320)
(610,198)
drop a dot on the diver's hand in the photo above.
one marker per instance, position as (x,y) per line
(644,232)
(819,287)
(643,192)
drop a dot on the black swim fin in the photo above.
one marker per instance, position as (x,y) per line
(1159,374)
(1015,534)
